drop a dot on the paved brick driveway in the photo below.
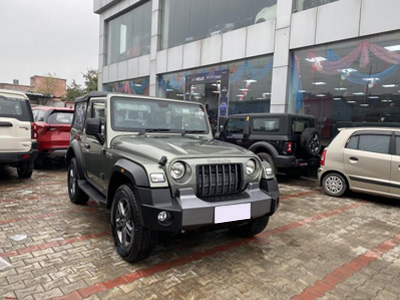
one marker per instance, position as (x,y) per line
(314,247)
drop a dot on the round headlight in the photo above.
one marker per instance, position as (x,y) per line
(250,167)
(177,170)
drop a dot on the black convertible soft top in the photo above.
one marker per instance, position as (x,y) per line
(91,95)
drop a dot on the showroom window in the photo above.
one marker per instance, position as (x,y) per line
(184,21)
(139,86)
(129,34)
(300,5)
(348,84)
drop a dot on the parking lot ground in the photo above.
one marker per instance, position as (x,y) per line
(315,247)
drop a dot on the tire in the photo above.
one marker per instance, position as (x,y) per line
(132,241)
(270,160)
(251,228)
(76,195)
(310,140)
(334,185)
(25,169)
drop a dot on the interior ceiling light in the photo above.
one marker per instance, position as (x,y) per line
(320,95)
(337,98)
(304,91)
(364,104)
(370,79)
(386,100)
(341,89)
(316,59)
(319,83)
(351,101)
(373,97)
(243,90)
(358,94)
(393,48)
(349,70)
(250,81)
(389,85)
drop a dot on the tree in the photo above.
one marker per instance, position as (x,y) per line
(91,80)
(74,90)
(48,85)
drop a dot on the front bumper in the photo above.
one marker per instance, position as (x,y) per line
(293,162)
(187,211)
(11,157)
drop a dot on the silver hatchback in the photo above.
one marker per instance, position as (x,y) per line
(364,160)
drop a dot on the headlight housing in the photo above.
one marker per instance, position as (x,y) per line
(250,167)
(177,170)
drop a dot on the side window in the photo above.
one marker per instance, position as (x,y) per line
(261,125)
(38,115)
(374,143)
(234,126)
(98,111)
(80,115)
(397,145)
(298,126)
(353,142)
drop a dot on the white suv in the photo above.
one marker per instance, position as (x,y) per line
(18,146)
(364,160)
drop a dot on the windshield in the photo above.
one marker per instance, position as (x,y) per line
(152,115)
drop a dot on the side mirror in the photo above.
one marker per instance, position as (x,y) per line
(93,127)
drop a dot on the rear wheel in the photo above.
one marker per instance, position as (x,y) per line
(269,159)
(133,241)
(25,169)
(251,228)
(334,185)
(76,195)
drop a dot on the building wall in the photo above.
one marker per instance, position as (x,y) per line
(337,21)
(58,87)
(14,87)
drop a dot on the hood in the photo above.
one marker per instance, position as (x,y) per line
(154,147)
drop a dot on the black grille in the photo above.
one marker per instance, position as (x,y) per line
(217,180)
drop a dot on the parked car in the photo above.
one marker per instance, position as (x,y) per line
(155,163)
(53,127)
(289,142)
(18,146)
(364,160)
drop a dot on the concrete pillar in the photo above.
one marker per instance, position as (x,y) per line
(155,41)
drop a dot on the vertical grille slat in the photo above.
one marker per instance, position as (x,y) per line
(218,180)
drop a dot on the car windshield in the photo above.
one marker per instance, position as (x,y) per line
(143,115)
(60,117)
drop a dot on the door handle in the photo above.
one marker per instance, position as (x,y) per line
(353,158)
(87,146)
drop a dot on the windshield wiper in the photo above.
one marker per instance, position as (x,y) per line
(153,130)
(193,131)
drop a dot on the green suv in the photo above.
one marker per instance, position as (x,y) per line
(155,163)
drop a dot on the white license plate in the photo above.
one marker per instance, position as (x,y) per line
(223,214)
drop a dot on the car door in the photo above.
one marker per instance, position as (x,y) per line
(234,131)
(367,160)
(93,151)
(395,169)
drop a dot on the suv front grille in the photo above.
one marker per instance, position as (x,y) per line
(218,180)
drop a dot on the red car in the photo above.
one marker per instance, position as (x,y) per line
(53,127)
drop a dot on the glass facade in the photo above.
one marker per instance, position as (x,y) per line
(138,86)
(128,35)
(184,21)
(347,84)
(300,5)
(248,88)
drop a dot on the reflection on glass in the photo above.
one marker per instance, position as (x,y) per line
(348,84)
(307,4)
(138,86)
(185,21)
(129,34)
(249,86)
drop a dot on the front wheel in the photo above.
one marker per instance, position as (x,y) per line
(334,185)
(25,169)
(132,241)
(251,228)
(76,195)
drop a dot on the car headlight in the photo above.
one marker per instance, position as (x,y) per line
(177,170)
(250,167)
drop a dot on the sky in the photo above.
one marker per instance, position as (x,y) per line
(38,37)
